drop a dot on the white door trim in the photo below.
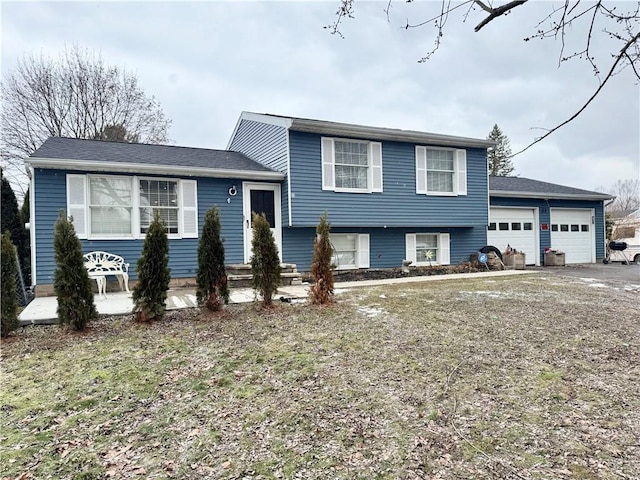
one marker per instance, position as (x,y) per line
(246,217)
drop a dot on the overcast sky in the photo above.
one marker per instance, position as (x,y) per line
(208,61)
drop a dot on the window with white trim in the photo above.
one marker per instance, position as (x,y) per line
(350,250)
(428,248)
(110,206)
(161,197)
(351,165)
(441,171)
(122,207)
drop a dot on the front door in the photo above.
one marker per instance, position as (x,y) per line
(261,198)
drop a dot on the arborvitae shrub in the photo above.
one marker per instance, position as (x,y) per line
(9,319)
(265,263)
(321,291)
(211,277)
(71,281)
(154,274)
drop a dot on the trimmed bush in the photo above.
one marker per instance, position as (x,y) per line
(154,274)
(265,263)
(71,281)
(211,276)
(321,291)
(9,319)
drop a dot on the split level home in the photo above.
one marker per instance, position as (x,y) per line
(391,195)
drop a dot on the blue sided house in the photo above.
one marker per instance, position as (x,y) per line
(390,195)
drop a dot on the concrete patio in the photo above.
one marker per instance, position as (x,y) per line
(42,310)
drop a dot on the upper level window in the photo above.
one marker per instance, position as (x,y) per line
(441,171)
(112,206)
(351,165)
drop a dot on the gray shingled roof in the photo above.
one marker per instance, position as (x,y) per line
(60,148)
(323,127)
(525,187)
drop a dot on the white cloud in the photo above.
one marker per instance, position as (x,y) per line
(208,61)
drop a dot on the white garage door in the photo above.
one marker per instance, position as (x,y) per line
(572,233)
(515,227)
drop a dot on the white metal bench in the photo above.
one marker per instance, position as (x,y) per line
(101,264)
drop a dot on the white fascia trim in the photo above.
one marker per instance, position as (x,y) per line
(547,196)
(265,118)
(121,167)
(233,134)
(379,133)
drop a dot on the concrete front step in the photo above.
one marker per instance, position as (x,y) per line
(239,275)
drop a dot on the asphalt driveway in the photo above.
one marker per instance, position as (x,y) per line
(616,275)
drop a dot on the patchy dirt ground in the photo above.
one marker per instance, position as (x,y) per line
(387,273)
(532,377)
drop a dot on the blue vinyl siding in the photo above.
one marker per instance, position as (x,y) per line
(544,207)
(262,142)
(50,198)
(397,206)
(386,245)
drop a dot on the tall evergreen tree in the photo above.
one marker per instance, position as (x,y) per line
(211,276)
(9,306)
(321,290)
(25,217)
(499,156)
(265,263)
(154,274)
(25,213)
(11,221)
(71,281)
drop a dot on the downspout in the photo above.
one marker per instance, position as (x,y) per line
(32,224)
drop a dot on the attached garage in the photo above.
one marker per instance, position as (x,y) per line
(517,228)
(572,232)
(531,216)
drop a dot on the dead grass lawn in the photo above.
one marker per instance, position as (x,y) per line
(525,377)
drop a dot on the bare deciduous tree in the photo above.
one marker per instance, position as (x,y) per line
(627,193)
(76,95)
(567,20)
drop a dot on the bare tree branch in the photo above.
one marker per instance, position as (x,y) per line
(611,73)
(496,12)
(621,24)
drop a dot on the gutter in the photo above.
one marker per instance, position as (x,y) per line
(389,134)
(554,196)
(183,170)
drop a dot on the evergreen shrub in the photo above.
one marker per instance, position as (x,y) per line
(154,274)
(71,281)
(265,262)
(211,277)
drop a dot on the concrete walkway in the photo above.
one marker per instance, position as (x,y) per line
(42,310)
